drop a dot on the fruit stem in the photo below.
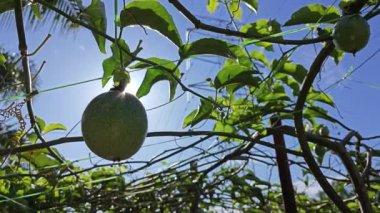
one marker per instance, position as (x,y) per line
(122,85)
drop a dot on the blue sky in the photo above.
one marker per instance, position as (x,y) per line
(74,57)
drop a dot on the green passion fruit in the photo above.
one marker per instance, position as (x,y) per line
(114,125)
(351,33)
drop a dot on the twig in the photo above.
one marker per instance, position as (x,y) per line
(283,168)
(298,120)
(27,74)
(150,134)
(358,183)
(199,24)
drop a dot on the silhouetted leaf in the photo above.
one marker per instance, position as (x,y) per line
(203,112)
(222,127)
(262,28)
(314,13)
(156,74)
(207,46)
(95,14)
(40,123)
(113,63)
(252,5)
(2,59)
(297,71)
(320,151)
(337,55)
(53,127)
(6,5)
(289,81)
(321,97)
(36,11)
(233,74)
(39,158)
(259,56)
(235,9)
(212,5)
(152,14)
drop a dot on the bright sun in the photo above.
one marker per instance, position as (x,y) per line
(132,87)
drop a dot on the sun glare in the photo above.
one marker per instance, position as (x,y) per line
(132,87)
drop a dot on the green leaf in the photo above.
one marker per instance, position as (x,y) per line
(156,74)
(321,97)
(53,127)
(233,74)
(297,71)
(207,46)
(189,119)
(95,15)
(109,66)
(289,81)
(36,11)
(259,56)
(273,97)
(2,59)
(203,112)
(212,5)
(113,63)
(320,151)
(337,55)
(40,123)
(119,75)
(221,127)
(32,137)
(256,191)
(262,28)
(39,158)
(152,14)
(314,13)
(241,56)
(275,94)
(317,112)
(235,9)
(252,5)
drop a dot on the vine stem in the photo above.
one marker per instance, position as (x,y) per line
(339,148)
(298,121)
(200,25)
(283,167)
(27,74)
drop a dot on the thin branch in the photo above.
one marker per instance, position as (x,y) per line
(357,180)
(283,168)
(199,24)
(150,134)
(27,73)
(352,170)
(243,149)
(298,120)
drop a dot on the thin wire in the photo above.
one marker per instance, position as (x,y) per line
(176,98)
(23,95)
(69,85)
(350,72)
